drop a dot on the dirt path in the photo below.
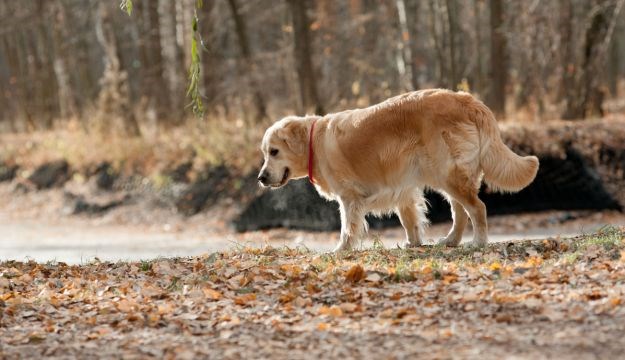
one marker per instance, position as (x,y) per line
(36,226)
(80,240)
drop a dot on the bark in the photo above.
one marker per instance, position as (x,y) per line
(405,51)
(309,97)
(613,68)
(412,12)
(587,97)
(209,56)
(172,55)
(568,54)
(498,59)
(113,100)
(66,95)
(249,67)
(437,45)
(453,30)
(369,45)
(153,84)
(479,70)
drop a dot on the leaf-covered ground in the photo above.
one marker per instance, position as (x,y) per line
(555,298)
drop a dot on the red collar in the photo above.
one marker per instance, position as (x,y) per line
(311,153)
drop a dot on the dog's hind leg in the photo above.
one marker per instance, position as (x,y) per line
(477,212)
(353,225)
(460,220)
(412,218)
(464,189)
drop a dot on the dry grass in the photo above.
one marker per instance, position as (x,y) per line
(211,141)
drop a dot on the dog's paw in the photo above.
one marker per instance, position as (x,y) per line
(342,246)
(476,244)
(449,241)
(409,245)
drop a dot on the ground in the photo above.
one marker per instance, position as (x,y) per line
(551,298)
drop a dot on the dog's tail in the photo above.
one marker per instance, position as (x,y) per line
(503,169)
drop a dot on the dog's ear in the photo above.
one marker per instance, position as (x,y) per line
(294,134)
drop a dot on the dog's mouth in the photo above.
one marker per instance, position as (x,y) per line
(283,181)
(285,177)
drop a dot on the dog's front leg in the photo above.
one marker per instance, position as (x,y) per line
(352,225)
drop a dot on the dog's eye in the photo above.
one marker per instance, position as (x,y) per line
(273,152)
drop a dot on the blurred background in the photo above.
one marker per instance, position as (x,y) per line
(139,121)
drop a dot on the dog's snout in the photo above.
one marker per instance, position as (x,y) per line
(262,177)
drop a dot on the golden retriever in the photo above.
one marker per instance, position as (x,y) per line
(379,159)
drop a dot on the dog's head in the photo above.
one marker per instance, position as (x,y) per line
(284,148)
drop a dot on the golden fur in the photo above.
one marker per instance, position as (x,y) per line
(379,159)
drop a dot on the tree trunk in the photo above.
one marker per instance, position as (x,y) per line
(248,62)
(498,59)
(567,87)
(437,45)
(153,84)
(368,45)
(174,67)
(113,99)
(209,56)
(614,63)
(405,50)
(309,98)
(479,70)
(412,16)
(453,30)
(66,96)
(587,97)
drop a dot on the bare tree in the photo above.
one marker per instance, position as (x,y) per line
(173,61)
(586,97)
(404,50)
(549,58)
(479,70)
(113,105)
(412,15)
(210,55)
(153,84)
(451,8)
(248,62)
(437,40)
(309,98)
(66,96)
(498,59)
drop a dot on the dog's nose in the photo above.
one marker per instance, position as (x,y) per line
(262,178)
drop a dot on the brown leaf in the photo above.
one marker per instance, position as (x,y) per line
(333,311)
(323,326)
(373,276)
(244,299)
(125,306)
(349,307)
(211,294)
(355,274)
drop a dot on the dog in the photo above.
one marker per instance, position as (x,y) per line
(380,159)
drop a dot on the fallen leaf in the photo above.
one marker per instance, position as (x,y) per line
(348,307)
(373,276)
(323,326)
(211,294)
(333,310)
(244,299)
(355,274)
